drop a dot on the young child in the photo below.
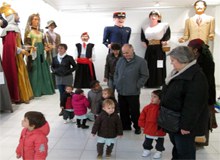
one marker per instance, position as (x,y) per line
(66,104)
(94,96)
(80,104)
(33,140)
(107,126)
(107,94)
(148,121)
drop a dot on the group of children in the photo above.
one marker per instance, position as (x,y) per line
(107,123)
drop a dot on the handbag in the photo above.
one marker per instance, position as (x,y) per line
(169,120)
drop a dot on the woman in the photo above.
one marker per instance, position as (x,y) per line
(39,73)
(205,61)
(155,35)
(186,91)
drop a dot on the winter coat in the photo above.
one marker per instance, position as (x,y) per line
(131,75)
(107,126)
(33,144)
(148,120)
(94,97)
(80,104)
(99,107)
(66,100)
(187,93)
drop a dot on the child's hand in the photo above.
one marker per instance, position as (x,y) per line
(119,136)
(18,156)
(61,107)
(93,135)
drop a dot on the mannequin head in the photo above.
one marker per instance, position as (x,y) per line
(119,18)
(85,37)
(155,17)
(200,6)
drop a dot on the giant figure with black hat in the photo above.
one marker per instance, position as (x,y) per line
(117,33)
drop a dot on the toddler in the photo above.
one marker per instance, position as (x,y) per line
(107,135)
(33,140)
(148,121)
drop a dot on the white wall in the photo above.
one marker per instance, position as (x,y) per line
(70,27)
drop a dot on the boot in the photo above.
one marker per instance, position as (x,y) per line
(84,126)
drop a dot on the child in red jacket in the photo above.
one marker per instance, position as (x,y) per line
(33,140)
(148,121)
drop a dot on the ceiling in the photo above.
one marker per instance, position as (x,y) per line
(117,5)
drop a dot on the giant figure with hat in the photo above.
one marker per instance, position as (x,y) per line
(13,58)
(85,54)
(155,36)
(38,69)
(200,25)
(5,100)
(52,40)
(117,33)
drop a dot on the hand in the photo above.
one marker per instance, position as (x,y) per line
(62,107)
(105,80)
(181,40)
(211,38)
(18,156)
(93,135)
(144,44)
(109,46)
(183,132)
(24,52)
(119,136)
(164,43)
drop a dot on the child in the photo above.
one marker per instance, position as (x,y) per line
(148,121)
(107,126)
(94,96)
(66,104)
(80,104)
(33,140)
(107,94)
(110,64)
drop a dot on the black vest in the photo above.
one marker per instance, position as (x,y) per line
(89,47)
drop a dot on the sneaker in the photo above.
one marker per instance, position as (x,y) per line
(65,122)
(73,120)
(146,153)
(157,155)
(137,131)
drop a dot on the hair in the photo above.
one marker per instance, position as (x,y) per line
(93,83)
(108,102)
(157,92)
(35,118)
(109,91)
(200,1)
(63,45)
(68,86)
(129,46)
(115,46)
(79,91)
(183,54)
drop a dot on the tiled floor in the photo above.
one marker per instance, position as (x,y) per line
(67,142)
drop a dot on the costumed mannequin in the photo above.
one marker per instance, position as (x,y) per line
(200,25)
(38,68)
(12,34)
(155,36)
(85,72)
(117,33)
(5,100)
(52,40)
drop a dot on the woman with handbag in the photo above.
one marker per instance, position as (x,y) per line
(185,91)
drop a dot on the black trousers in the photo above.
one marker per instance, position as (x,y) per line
(159,144)
(67,114)
(129,111)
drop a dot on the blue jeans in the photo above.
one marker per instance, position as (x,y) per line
(183,146)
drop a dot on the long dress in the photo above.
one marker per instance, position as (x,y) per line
(5,100)
(85,72)
(154,54)
(39,73)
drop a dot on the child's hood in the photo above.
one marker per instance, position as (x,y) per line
(78,97)
(45,129)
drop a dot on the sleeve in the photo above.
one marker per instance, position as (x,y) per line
(106,72)
(143,74)
(186,30)
(143,39)
(86,103)
(106,36)
(20,145)
(40,148)
(93,54)
(142,118)
(72,64)
(212,27)
(96,125)
(129,35)
(166,36)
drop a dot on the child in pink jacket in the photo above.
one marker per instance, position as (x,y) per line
(80,104)
(33,140)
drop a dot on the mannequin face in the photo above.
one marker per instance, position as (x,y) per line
(35,21)
(17,18)
(200,8)
(85,38)
(51,27)
(119,21)
(154,18)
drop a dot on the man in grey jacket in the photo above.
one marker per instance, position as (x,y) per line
(131,73)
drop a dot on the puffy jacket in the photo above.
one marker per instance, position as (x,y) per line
(80,104)
(148,120)
(33,144)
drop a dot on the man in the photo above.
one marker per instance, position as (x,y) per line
(131,73)
(52,40)
(200,25)
(117,33)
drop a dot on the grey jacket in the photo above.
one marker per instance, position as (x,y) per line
(131,75)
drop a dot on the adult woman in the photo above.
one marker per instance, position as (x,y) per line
(205,61)
(39,74)
(186,91)
(155,35)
